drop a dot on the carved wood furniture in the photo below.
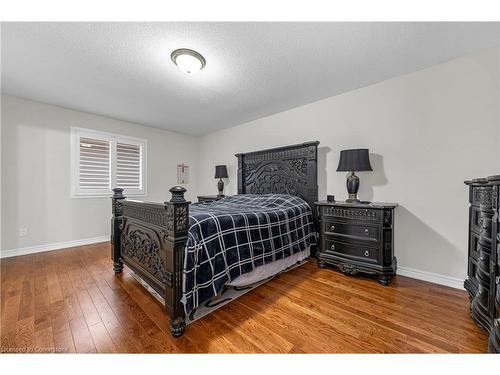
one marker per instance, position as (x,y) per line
(208,198)
(357,237)
(150,238)
(483,276)
(288,170)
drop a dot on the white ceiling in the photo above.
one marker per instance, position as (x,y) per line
(123,70)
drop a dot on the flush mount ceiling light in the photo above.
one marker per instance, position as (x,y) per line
(187,60)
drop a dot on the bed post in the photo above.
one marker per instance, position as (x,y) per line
(177,228)
(116,229)
(241,183)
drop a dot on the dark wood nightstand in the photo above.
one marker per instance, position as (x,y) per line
(209,198)
(357,237)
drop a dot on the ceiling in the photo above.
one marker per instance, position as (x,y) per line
(123,70)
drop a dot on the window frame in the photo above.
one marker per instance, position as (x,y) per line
(113,139)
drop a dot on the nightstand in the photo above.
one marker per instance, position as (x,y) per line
(208,198)
(357,238)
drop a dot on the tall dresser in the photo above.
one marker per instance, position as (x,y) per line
(483,276)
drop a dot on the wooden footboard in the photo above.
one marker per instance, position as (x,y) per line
(150,239)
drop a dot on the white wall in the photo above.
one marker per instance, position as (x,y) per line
(36,172)
(427,132)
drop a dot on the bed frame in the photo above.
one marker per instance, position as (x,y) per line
(150,237)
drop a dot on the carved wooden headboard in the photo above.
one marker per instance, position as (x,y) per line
(286,170)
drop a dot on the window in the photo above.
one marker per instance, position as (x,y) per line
(102,161)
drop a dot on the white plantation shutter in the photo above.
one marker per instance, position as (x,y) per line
(102,161)
(94,164)
(129,166)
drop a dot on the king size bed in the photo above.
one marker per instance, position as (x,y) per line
(188,254)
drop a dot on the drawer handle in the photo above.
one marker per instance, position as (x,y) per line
(367,253)
(332,247)
(332,228)
(367,232)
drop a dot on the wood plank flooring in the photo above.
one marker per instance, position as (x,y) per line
(70,301)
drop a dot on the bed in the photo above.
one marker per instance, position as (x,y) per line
(187,254)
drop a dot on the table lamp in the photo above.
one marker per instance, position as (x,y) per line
(220,173)
(351,161)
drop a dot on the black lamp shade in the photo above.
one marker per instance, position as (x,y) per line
(220,171)
(354,160)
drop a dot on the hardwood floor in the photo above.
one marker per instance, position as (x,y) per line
(71,301)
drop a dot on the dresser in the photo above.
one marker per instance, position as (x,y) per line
(483,276)
(357,237)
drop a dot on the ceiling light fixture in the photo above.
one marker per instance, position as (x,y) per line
(187,60)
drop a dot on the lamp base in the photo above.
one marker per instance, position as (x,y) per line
(220,187)
(352,199)
(352,185)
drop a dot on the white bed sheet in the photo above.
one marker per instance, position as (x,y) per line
(270,269)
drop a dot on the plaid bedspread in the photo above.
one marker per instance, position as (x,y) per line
(234,235)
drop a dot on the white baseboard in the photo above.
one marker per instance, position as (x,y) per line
(435,278)
(50,247)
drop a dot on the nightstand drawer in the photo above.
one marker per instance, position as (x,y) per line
(352,231)
(352,214)
(351,251)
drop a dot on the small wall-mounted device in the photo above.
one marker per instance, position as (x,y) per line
(330,198)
